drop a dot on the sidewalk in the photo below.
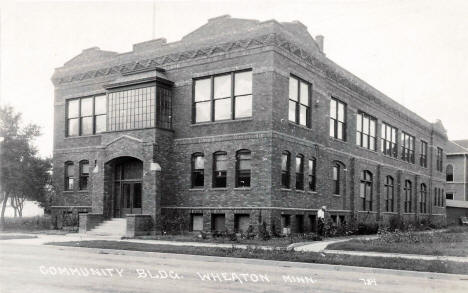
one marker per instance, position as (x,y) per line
(320,246)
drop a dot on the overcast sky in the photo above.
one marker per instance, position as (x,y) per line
(416,52)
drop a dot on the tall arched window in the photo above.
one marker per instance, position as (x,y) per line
(312,174)
(408,196)
(69,176)
(198,170)
(449,173)
(300,172)
(219,169)
(243,167)
(366,190)
(84,174)
(422,199)
(285,167)
(389,193)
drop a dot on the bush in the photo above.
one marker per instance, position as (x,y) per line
(263,232)
(396,223)
(367,228)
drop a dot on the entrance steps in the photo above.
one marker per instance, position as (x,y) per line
(114,227)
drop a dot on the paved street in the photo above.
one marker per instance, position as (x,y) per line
(38,268)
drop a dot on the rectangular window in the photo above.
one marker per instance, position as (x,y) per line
(84,175)
(218,222)
(220,169)
(300,172)
(299,101)
(439,159)
(407,147)
(163,107)
(133,108)
(197,222)
(366,131)
(243,166)
(408,196)
(86,116)
(69,176)
(389,194)
(423,155)
(449,196)
(337,119)
(241,223)
(286,224)
(336,179)
(389,140)
(198,170)
(312,174)
(100,113)
(285,167)
(223,97)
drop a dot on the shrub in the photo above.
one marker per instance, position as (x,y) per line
(396,223)
(263,232)
(367,228)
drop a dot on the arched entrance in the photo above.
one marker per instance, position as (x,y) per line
(127,186)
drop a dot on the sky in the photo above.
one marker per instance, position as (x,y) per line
(414,51)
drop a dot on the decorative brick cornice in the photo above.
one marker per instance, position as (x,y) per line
(320,65)
(153,63)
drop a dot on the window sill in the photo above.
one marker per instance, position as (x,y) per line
(196,189)
(391,213)
(299,125)
(221,122)
(219,188)
(68,191)
(300,190)
(337,195)
(312,192)
(242,188)
(81,136)
(285,189)
(366,149)
(337,139)
(83,190)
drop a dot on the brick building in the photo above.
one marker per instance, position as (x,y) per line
(457,180)
(240,122)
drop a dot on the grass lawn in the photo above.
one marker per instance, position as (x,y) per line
(273,242)
(12,236)
(282,255)
(453,242)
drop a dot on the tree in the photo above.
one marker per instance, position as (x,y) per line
(23,174)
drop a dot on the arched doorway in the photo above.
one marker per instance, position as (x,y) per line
(127,186)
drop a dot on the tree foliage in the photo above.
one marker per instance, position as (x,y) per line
(23,174)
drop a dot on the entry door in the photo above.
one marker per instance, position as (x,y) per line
(131,198)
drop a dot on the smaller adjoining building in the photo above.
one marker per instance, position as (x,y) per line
(457,181)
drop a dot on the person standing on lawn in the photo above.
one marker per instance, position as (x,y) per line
(321,219)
